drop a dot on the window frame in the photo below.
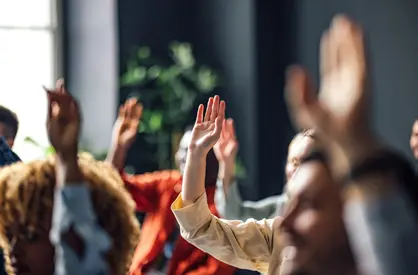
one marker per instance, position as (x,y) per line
(55,29)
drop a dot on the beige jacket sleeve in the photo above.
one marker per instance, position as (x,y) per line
(245,245)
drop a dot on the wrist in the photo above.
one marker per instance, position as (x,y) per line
(226,171)
(195,152)
(116,156)
(119,147)
(122,146)
(345,155)
(359,148)
(68,172)
(67,157)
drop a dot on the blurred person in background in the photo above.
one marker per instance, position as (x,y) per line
(161,250)
(259,245)
(9,125)
(378,186)
(228,198)
(413,141)
(54,216)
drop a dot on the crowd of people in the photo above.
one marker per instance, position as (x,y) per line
(349,206)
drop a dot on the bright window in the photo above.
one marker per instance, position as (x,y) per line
(28,58)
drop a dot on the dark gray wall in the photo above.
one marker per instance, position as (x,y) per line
(252,41)
(249,42)
(391,27)
(227,37)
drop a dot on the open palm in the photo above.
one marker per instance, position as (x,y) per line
(342,100)
(227,146)
(208,126)
(63,121)
(126,126)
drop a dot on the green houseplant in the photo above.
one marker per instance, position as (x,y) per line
(168,89)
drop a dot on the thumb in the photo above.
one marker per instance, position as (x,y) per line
(304,107)
(234,148)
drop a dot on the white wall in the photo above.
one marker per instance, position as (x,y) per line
(93,67)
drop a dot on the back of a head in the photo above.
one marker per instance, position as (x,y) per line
(9,123)
(302,143)
(27,190)
(307,133)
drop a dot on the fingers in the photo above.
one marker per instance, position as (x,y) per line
(130,105)
(209,109)
(348,41)
(300,96)
(220,117)
(62,105)
(60,86)
(128,110)
(231,128)
(233,148)
(221,110)
(224,132)
(49,111)
(340,43)
(122,110)
(326,62)
(199,116)
(138,111)
(218,127)
(215,108)
(131,109)
(74,109)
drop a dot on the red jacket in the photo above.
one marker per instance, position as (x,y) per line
(154,193)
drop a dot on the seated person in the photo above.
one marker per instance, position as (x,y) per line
(227,197)
(54,216)
(315,234)
(161,250)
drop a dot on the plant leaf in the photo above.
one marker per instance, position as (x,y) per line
(144,53)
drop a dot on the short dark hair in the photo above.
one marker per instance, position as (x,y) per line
(10,120)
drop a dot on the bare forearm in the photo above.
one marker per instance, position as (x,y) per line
(68,171)
(226,174)
(193,178)
(116,157)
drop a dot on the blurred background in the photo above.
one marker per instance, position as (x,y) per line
(174,54)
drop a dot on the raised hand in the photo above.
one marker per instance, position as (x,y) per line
(127,123)
(340,112)
(205,134)
(207,129)
(226,151)
(227,146)
(63,121)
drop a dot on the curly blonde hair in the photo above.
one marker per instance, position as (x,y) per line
(27,190)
